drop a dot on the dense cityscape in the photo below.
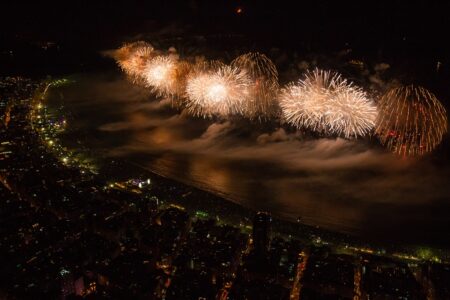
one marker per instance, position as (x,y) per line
(69,231)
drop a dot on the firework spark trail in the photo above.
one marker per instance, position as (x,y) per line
(327,103)
(204,66)
(222,92)
(411,121)
(166,76)
(132,58)
(264,75)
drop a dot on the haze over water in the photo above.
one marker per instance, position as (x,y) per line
(350,186)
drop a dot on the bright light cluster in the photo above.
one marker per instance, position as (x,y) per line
(222,92)
(160,74)
(412,120)
(325,102)
(132,58)
(264,76)
(408,120)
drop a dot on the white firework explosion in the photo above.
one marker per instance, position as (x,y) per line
(327,103)
(264,75)
(132,58)
(222,92)
(162,75)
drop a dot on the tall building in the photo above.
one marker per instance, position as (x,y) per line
(147,207)
(67,283)
(262,229)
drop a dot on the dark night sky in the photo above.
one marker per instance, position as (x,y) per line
(367,23)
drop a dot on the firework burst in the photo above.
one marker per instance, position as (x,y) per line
(325,102)
(222,92)
(412,121)
(166,75)
(264,75)
(204,66)
(132,58)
